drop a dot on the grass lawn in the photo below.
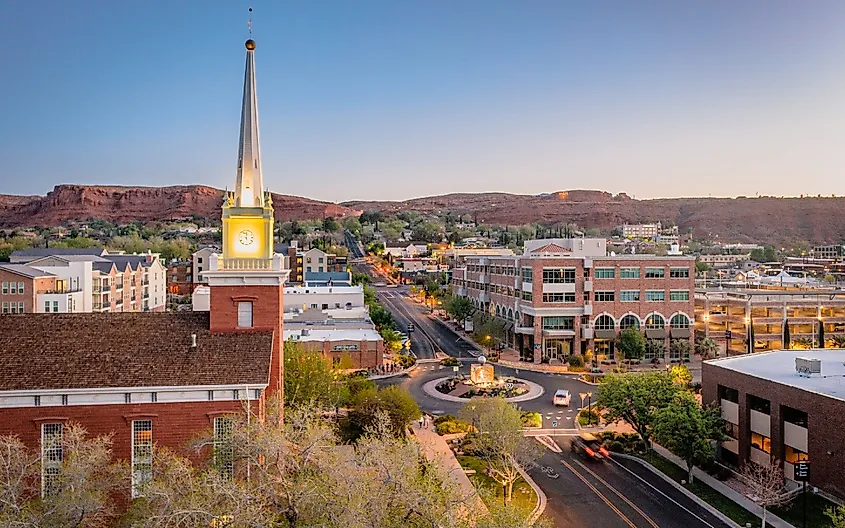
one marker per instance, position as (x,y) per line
(524,497)
(816,506)
(733,510)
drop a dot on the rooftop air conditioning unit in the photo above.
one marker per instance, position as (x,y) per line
(808,366)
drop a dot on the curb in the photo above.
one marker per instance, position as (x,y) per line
(542,500)
(392,374)
(690,495)
(429,388)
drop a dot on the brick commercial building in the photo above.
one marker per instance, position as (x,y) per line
(568,296)
(773,411)
(157,378)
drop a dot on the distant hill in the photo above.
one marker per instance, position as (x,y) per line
(129,204)
(778,221)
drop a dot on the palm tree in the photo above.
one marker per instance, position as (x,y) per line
(838,341)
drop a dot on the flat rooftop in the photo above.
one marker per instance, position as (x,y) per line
(779,367)
(358,334)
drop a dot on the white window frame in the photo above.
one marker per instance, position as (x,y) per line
(622,295)
(599,273)
(20,288)
(20,307)
(5,307)
(245,314)
(655,293)
(142,461)
(633,272)
(52,454)
(5,288)
(684,294)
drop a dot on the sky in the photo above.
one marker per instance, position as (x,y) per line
(367,99)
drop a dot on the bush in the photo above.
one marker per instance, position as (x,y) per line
(576,361)
(452,427)
(629,443)
(405,360)
(592,418)
(445,418)
(450,362)
(532,419)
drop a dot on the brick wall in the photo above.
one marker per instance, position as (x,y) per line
(31,289)
(825,429)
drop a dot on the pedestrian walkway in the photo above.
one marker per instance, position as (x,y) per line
(437,450)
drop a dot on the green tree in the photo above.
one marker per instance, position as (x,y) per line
(701,267)
(706,347)
(686,429)
(392,339)
(330,225)
(352,224)
(767,254)
(681,375)
(631,343)
(393,402)
(636,399)
(836,516)
(309,379)
(427,232)
(459,307)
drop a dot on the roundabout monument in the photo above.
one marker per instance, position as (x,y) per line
(482,383)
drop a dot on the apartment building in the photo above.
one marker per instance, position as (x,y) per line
(723,312)
(180,279)
(786,406)
(455,256)
(831,252)
(24,289)
(568,296)
(723,261)
(649,231)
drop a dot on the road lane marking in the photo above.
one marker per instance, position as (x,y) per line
(618,494)
(600,494)
(650,485)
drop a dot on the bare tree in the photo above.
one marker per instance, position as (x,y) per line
(766,485)
(78,490)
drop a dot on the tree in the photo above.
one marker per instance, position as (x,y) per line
(427,232)
(766,485)
(309,380)
(330,225)
(631,343)
(836,516)
(701,267)
(392,403)
(497,435)
(787,341)
(706,347)
(767,254)
(459,307)
(680,348)
(681,375)
(392,339)
(636,399)
(686,429)
(655,348)
(82,488)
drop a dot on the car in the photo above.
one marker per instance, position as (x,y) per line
(562,397)
(591,446)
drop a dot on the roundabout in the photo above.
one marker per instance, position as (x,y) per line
(533,391)
(482,383)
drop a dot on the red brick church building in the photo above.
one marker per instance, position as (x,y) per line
(160,378)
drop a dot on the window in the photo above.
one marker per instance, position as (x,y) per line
(679,295)
(527,295)
(629,296)
(14,307)
(655,295)
(605,322)
(308,269)
(679,321)
(5,289)
(629,321)
(655,322)
(199,260)
(5,307)
(13,288)
(793,455)
(320,260)
(759,404)
(558,297)
(729,394)
(794,416)
(605,273)
(732,430)
(559,275)
(527,275)
(558,323)
(245,314)
(224,456)
(655,273)
(142,454)
(46,306)
(55,306)
(629,273)
(763,443)
(52,454)
(679,273)
(605,296)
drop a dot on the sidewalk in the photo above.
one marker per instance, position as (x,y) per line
(437,450)
(724,489)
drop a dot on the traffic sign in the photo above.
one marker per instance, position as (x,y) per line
(509,385)
(554,423)
(456,368)
(728,335)
(802,471)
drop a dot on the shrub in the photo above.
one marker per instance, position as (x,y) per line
(452,427)
(450,362)
(445,418)
(592,418)
(532,419)
(576,361)
(405,360)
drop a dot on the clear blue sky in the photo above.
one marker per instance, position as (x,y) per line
(395,99)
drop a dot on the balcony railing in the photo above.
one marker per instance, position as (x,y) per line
(146,295)
(246,264)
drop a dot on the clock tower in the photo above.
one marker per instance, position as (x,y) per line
(246,282)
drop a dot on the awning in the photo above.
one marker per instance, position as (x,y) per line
(681,332)
(656,333)
(605,334)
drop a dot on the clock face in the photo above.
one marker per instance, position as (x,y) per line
(246,237)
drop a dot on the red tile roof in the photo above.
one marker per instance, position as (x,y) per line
(551,248)
(100,350)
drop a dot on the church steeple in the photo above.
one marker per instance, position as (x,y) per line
(249,189)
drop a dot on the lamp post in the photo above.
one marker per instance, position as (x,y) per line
(589,410)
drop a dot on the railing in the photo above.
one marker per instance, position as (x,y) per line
(245,264)
(146,295)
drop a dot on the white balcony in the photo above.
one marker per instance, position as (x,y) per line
(732,445)
(795,436)
(730,411)
(758,456)
(588,309)
(586,332)
(588,285)
(761,423)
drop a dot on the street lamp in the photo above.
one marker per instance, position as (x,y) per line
(589,411)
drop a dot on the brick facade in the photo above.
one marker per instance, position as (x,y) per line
(32,287)
(825,421)
(368,354)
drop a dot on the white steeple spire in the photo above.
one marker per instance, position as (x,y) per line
(249,188)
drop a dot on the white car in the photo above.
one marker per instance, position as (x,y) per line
(562,397)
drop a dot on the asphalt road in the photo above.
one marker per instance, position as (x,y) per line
(610,494)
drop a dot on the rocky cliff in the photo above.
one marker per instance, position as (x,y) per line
(129,204)
(779,221)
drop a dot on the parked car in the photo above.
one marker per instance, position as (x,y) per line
(562,397)
(589,445)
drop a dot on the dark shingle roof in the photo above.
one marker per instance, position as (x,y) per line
(25,271)
(94,350)
(46,252)
(105,266)
(133,260)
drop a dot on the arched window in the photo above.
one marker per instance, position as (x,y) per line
(629,321)
(510,314)
(655,321)
(605,322)
(498,312)
(679,320)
